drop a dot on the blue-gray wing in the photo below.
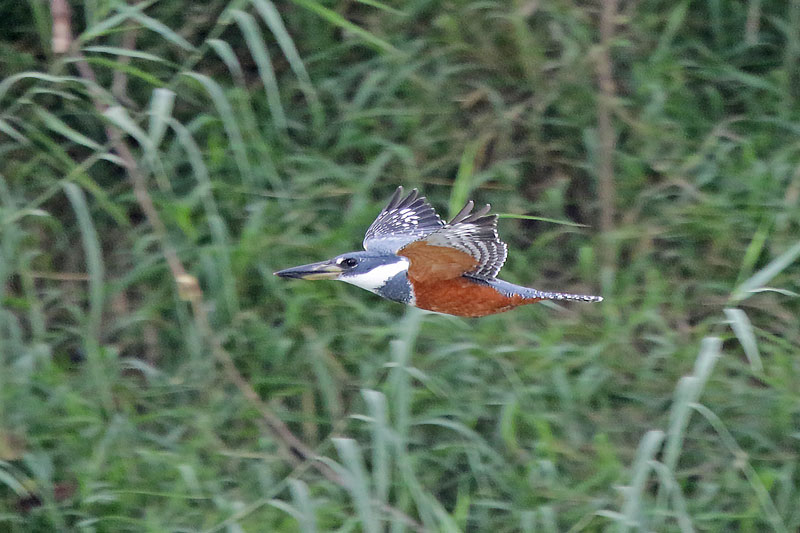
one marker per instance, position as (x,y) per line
(476,234)
(403,220)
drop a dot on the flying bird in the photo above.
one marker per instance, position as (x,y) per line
(413,257)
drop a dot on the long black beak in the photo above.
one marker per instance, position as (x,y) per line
(321,270)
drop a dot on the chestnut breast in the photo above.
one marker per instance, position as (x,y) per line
(463,297)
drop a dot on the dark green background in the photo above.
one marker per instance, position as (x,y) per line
(672,406)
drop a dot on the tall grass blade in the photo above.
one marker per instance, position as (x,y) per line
(120,118)
(667,480)
(94,267)
(228,56)
(710,350)
(771,513)
(332,17)
(156,26)
(758,280)
(305,505)
(754,250)
(12,132)
(119,66)
(105,26)
(274,21)
(228,118)
(673,24)
(117,51)
(325,381)
(41,21)
(8,478)
(357,482)
(547,519)
(285,507)
(382,6)
(258,49)
(58,126)
(399,382)
(262,152)
(199,169)
(743,329)
(640,472)
(161,103)
(543,219)
(381,460)
(400,394)
(94,258)
(462,185)
(687,392)
(9,82)
(446,522)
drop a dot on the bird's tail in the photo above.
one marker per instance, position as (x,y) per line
(544,295)
(532,295)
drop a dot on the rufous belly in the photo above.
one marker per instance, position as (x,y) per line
(462,297)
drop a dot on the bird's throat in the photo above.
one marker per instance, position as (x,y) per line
(373,280)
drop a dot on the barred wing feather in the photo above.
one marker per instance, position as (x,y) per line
(468,244)
(402,221)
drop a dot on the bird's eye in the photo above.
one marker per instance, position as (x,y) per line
(349,262)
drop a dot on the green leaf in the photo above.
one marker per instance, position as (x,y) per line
(304,504)
(640,472)
(543,219)
(228,118)
(160,112)
(273,20)
(118,51)
(357,482)
(156,26)
(119,117)
(123,67)
(332,17)
(743,330)
(381,460)
(94,257)
(228,56)
(9,82)
(763,276)
(463,182)
(58,126)
(9,130)
(258,49)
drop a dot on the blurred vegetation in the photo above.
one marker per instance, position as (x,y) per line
(136,397)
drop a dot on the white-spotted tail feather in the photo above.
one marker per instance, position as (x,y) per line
(564,296)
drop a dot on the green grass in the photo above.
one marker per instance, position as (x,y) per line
(268,135)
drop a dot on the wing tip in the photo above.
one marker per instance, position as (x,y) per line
(395,198)
(467,216)
(407,216)
(398,201)
(463,214)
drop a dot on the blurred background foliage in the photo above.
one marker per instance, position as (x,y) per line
(233,138)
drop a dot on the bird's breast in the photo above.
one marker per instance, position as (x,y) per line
(463,297)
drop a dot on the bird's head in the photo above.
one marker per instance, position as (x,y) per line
(368,270)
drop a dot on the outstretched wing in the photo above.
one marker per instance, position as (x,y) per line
(468,244)
(402,221)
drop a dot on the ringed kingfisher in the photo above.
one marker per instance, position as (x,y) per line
(413,257)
